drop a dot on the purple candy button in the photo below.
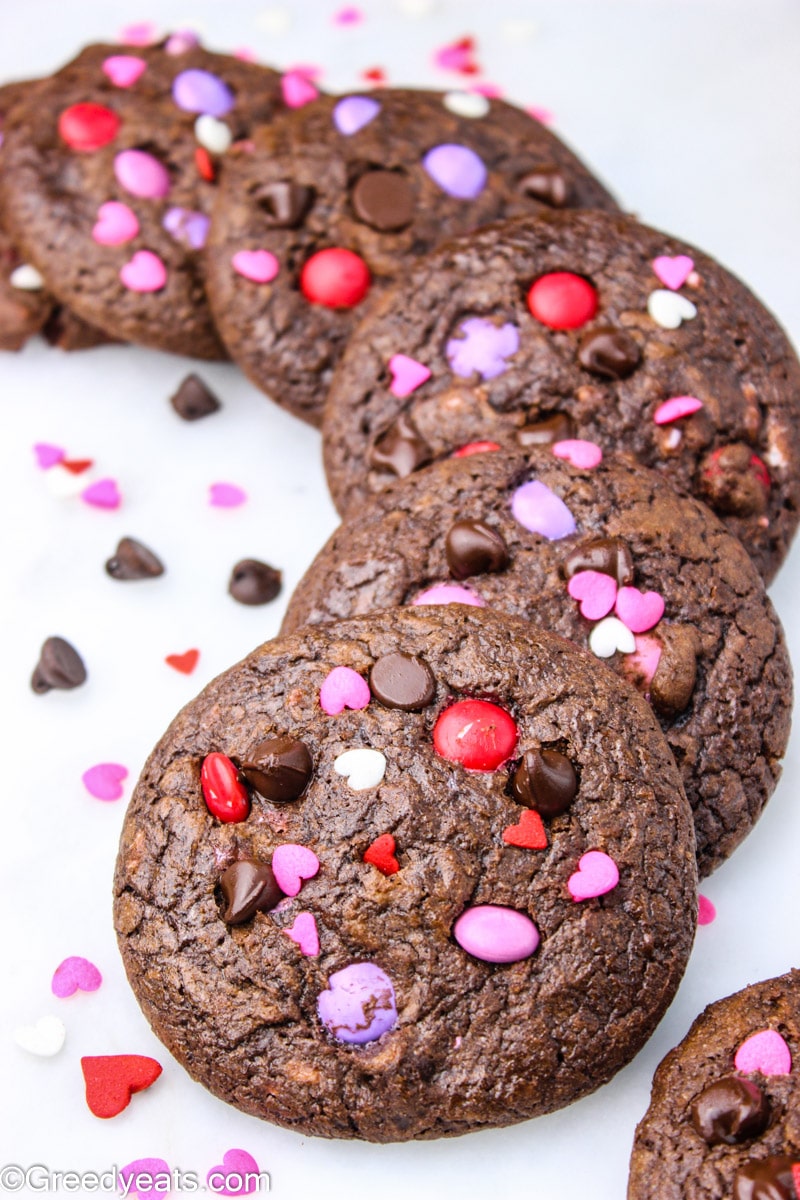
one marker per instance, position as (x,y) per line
(187,226)
(496,934)
(457,170)
(448,593)
(542,511)
(359,1004)
(484,347)
(354,112)
(141,174)
(201,92)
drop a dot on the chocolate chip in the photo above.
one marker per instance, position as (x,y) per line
(384,200)
(402,681)
(765,1179)
(132,560)
(254,582)
(557,428)
(545,780)
(283,203)
(734,481)
(59,666)
(610,353)
(401,449)
(248,887)
(548,185)
(730,1110)
(279,769)
(194,400)
(673,683)
(472,548)
(610,556)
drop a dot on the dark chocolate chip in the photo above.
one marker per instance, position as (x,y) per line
(473,548)
(132,560)
(283,203)
(557,428)
(765,1179)
(401,449)
(59,666)
(610,556)
(279,769)
(545,780)
(384,200)
(673,683)
(254,582)
(248,887)
(733,480)
(730,1110)
(548,185)
(610,353)
(402,681)
(194,399)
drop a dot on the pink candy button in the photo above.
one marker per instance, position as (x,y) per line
(141,174)
(447,593)
(496,934)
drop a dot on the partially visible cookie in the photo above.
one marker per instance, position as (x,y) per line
(320,210)
(723,1117)
(341,878)
(627,337)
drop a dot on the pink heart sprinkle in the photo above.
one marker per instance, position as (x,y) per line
(407,374)
(151,1173)
(673,271)
(257,265)
(543,115)
(226,495)
(303,930)
(596,592)
(597,874)
(642,664)
(640,611)
(291,864)
(297,90)
(142,33)
(123,69)
(74,973)
(449,593)
(104,781)
(675,408)
(144,273)
(581,454)
(47,455)
(348,16)
(116,224)
(766,1052)
(236,1175)
(102,494)
(706,912)
(343,688)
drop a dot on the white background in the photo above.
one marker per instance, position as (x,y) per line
(691,113)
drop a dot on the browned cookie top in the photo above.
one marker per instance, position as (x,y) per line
(488,868)
(643,343)
(110,173)
(380,179)
(723,1121)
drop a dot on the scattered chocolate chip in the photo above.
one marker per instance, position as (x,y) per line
(610,556)
(248,887)
(765,1179)
(673,683)
(401,449)
(402,681)
(284,204)
(548,185)
(59,666)
(279,769)
(473,548)
(194,400)
(132,560)
(384,200)
(609,353)
(557,428)
(730,1110)
(545,780)
(254,582)
(735,481)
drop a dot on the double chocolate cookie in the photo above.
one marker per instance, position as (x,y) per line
(319,211)
(433,855)
(614,331)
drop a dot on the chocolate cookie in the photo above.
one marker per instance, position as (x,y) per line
(626,336)
(110,172)
(610,557)
(440,858)
(722,1121)
(326,206)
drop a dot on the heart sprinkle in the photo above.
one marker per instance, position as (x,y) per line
(448,593)
(259,266)
(609,636)
(529,834)
(292,864)
(236,1175)
(45,1038)
(352,113)
(673,271)
(185,663)
(145,272)
(407,374)
(597,874)
(303,931)
(675,408)
(706,912)
(381,854)
(104,781)
(362,768)
(103,493)
(123,69)
(640,611)
(496,934)
(466,104)
(668,309)
(297,90)
(226,495)
(766,1052)
(115,225)
(147,1178)
(343,688)
(596,592)
(111,1080)
(48,456)
(580,453)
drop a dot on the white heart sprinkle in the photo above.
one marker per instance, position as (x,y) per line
(466,104)
(26,278)
(363,768)
(610,635)
(45,1038)
(213,134)
(668,309)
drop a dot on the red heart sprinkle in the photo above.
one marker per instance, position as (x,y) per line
(185,663)
(374,75)
(111,1080)
(205,167)
(77,465)
(380,854)
(529,834)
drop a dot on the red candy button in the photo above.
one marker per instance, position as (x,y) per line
(475,448)
(562,300)
(88,127)
(479,735)
(224,793)
(336,278)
